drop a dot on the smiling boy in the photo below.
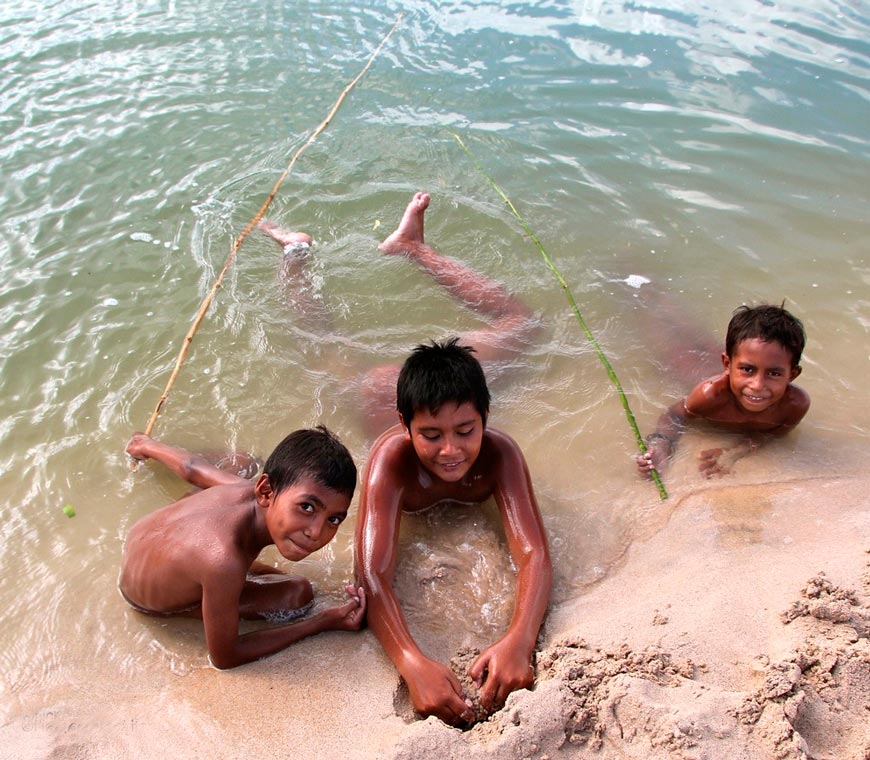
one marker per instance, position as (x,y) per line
(753,395)
(198,556)
(442,451)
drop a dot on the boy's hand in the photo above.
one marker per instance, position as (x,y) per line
(709,464)
(137,446)
(505,669)
(349,616)
(719,461)
(656,457)
(435,690)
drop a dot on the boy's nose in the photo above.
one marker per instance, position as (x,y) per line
(756,382)
(449,446)
(314,529)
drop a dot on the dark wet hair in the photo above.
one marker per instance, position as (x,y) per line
(437,373)
(772,324)
(314,453)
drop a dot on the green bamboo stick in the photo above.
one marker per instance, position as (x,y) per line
(601,355)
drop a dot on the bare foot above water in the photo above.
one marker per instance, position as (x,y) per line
(409,233)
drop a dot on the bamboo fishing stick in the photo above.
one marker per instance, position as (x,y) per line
(601,355)
(237,243)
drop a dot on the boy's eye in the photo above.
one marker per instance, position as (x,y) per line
(465,431)
(306,507)
(336,520)
(430,436)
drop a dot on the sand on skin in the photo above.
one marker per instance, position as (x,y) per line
(728,633)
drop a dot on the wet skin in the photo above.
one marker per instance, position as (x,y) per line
(196,557)
(443,456)
(754,395)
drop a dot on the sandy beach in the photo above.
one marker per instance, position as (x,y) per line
(671,161)
(728,633)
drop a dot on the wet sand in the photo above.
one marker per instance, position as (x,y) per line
(739,629)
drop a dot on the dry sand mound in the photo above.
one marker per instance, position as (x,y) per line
(597,703)
(749,663)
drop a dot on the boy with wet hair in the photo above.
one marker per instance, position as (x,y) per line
(430,378)
(198,556)
(754,394)
(442,451)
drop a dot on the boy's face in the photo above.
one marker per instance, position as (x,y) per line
(759,373)
(447,443)
(303,517)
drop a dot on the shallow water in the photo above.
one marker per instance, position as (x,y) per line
(720,152)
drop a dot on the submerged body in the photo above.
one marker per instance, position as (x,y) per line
(754,394)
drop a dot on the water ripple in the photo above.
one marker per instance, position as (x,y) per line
(718,151)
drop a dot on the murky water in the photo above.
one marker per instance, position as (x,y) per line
(721,151)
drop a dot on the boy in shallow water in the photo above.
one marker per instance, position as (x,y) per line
(510,327)
(442,451)
(198,556)
(754,394)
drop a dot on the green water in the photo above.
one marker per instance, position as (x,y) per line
(719,151)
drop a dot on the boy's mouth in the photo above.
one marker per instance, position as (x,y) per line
(452,467)
(299,547)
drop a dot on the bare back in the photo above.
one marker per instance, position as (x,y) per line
(171,553)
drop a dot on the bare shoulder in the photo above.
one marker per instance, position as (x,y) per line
(798,397)
(501,442)
(390,448)
(796,405)
(389,441)
(511,484)
(391,462)
(708,396)
(203,512)
(501,459)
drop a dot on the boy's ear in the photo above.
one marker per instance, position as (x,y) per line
(405,426)
(263,491)
(795,371)
(726,361)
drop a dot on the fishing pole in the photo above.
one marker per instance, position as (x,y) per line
(641,444)
(237,243)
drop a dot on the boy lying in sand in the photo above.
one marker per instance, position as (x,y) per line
(442,451)
(197,557)
(754,395)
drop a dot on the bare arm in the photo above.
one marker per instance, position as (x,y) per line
(195,469)
(662,443)
(506,665)
(433,687)
(220,617)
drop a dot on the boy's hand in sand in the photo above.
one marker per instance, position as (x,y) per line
(348,616)
(501,669)
(435,690)
(720,460)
